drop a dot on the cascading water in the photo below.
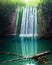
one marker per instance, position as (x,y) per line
(29,29)
(29,22)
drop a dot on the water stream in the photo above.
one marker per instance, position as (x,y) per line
(29,29)
(29,22)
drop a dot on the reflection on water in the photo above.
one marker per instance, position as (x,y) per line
(30,64)
(23,46)
(29,46)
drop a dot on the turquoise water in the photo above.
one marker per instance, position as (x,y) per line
(23,46)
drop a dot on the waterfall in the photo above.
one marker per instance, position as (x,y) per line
(29,29)
(29,22)
(35,23)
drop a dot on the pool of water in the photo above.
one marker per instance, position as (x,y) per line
(25,46)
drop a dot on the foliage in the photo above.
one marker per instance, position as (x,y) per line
(21,2)
(46,8)
(6,11)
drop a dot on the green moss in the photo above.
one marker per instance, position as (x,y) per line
(46,7)
(6,11)
(19,22)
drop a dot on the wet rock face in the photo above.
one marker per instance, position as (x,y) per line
(41,24)
(7,20)
(50,23)
(12,23)
(45,24)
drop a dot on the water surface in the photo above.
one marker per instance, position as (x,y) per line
(25,46)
